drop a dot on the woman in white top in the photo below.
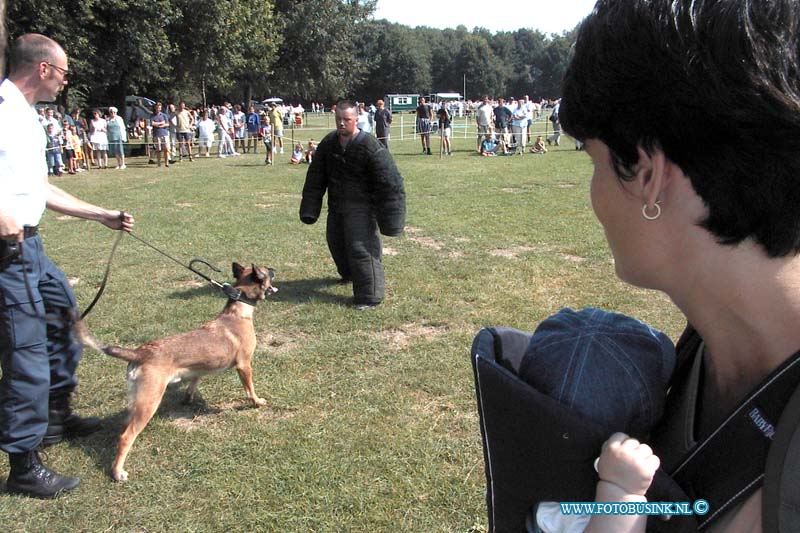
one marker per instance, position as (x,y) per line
(99,139)
(363,119)
(117,137)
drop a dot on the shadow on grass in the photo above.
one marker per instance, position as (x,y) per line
(101,446)
(314,289)
(291,291)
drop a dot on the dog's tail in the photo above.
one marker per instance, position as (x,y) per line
(87,339)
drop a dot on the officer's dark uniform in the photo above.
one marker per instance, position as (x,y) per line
(365,197)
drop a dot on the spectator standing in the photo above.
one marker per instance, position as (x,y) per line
(519,125)
(38,366)
(363,122)
(424,116)
(383,123)
(556,121)
(205,128)
(225,124)
(239,129)
(365,196)
(445,130)
(253,130)
(502,119)
(484,117)
(69,147)
(160,124)
(276,117)
(266,136)
(185,131)
(117,137)
(54,144)
(50,118)
(172,121)
(99,139)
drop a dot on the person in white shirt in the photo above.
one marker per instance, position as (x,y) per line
(38,305)
(205,128)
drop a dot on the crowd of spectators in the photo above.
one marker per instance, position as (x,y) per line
(84,139)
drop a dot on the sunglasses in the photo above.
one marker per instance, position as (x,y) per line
(64,72)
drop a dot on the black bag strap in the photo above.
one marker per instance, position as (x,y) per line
(781,500)
(728,465)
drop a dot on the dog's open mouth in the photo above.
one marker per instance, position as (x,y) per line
(272,290)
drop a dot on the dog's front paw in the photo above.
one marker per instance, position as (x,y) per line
(119,475)
(259,402)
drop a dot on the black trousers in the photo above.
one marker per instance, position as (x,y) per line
(355,245)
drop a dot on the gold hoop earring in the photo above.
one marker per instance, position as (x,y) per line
(651,217)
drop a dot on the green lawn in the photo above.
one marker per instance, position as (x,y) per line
(371,422)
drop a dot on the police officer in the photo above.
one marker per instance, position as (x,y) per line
(37,352)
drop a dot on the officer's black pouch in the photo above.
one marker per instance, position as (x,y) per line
(9,251)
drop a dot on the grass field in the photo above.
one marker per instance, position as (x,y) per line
(371,423)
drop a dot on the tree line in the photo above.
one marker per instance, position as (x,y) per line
(301,50)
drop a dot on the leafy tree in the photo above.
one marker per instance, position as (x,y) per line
(318,57)
(480,66)
(228,46)
(401,62)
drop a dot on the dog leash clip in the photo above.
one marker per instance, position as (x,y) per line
(230,291)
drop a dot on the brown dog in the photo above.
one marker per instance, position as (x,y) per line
(228,340)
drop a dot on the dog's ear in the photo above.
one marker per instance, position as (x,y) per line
(258,273)
(237,270)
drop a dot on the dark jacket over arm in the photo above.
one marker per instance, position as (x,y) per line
(361,177)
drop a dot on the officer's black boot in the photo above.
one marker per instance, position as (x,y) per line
(64,424)
(30,477)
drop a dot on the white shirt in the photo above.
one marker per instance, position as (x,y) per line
(23,167)
(485,114)
(206,127)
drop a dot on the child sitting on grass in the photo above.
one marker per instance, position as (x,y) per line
(297,154)
(539,147)
(311,150)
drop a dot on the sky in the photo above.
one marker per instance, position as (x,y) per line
(548,16)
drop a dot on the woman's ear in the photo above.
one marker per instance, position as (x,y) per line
(653,174)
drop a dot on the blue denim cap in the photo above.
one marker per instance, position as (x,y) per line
(609,367)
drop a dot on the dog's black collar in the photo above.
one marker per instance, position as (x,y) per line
(237,295)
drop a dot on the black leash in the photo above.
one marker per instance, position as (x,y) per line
(229,290)
(105,276)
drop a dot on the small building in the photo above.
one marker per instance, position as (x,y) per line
(398,103)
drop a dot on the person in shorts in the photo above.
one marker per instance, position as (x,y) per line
(160,124)
(445,129)
(424,116)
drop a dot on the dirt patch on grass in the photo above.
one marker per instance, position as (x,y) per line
(402,337)
(389,251)
(73,281)
(512,190)
(427,242)
(512,252)
(573,258)
(183,204)
(265,206)
(279,342)
(188,419)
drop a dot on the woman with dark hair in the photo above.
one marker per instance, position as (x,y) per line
(690,110)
